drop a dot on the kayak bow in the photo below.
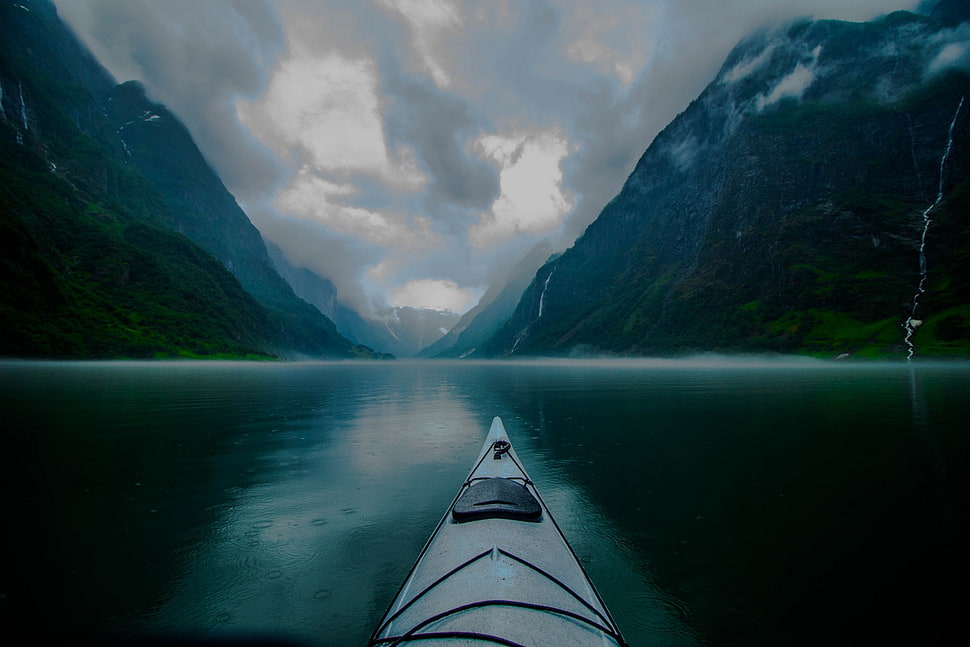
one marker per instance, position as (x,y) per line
(497,570)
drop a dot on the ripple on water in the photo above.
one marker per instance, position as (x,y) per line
(663,614)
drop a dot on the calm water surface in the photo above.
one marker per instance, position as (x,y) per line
(715,502)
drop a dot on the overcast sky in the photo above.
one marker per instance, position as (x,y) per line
(413,150)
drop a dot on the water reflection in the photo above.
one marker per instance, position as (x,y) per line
(711,502)
(340,504)
(343,502)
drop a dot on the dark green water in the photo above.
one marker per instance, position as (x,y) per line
(712,502)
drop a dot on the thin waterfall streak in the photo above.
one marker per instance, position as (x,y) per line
(23,107)
(542,297)
(518,340)
(949,145)
(912,323)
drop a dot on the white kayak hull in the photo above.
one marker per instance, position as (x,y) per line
(497,570)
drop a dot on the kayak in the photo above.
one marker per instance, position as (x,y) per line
(497,570)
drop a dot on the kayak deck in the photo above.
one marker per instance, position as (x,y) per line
(497,570)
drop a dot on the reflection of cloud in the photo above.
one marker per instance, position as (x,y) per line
(532,199)
(342,495)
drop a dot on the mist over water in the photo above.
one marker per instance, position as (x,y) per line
(713,500)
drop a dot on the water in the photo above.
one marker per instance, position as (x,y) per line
(713,502)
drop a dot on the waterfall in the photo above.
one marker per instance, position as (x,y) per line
(542,297)
(23,107)
(912,323)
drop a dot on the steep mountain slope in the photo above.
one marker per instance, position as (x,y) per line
(478,324)
(93,264)
(784,209)
(159,146)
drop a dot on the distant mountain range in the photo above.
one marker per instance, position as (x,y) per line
(813,199)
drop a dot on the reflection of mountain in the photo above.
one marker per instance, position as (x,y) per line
(783,209)
(118,238)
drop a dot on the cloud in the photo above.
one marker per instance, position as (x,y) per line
(792,85)
(198,58)
(428,19)
(617,38)
(684,151)
(325,110)
(312,197)
(439,128)
(746,67)
(442,293)
(954,50)
(531,197)
(411,149)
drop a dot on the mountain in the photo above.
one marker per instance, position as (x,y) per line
(399,331)
(495,307)
(413,329)
(952,10)
(161,148)
(118,238)
(812,199)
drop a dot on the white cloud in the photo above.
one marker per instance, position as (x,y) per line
(328,108)
(311,197)
(436,294)
(354,124)
(428,19)
(793,84)
(532,198)
(684,152)
(748,66)
(954,54)
(616,39)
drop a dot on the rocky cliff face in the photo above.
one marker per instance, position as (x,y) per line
(118,239)
(157,144)
(468,337)
(784,209)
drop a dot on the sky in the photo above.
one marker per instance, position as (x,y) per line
(412,151)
